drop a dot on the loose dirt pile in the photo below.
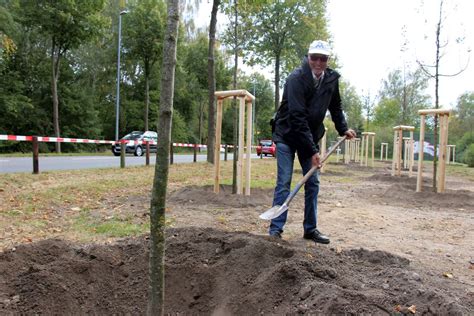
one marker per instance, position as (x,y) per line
(220,273)
(392,251)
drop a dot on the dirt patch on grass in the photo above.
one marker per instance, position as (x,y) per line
(391,248)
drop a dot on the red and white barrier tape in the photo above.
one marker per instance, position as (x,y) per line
(54,139)
(91,141)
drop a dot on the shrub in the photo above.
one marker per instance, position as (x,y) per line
(469,156)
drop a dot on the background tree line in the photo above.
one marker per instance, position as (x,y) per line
(62,56)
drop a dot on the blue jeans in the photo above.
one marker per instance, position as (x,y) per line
(285,160)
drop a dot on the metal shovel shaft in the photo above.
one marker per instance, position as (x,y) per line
(277,210)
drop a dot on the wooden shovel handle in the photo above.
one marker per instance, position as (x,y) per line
(313,170)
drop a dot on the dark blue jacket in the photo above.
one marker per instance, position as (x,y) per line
(299,120)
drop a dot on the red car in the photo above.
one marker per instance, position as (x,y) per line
(266,147)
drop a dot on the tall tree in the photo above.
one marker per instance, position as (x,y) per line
(143,37)
(67,24)
(429,68)
(160,182)
(279,33)
(211,73)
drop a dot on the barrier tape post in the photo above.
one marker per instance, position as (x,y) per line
(195,153)
(122,155)
(225,152)
(35,155)
(171,153)
(147,155)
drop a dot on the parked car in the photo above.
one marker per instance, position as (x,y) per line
(135,143)
(266,147)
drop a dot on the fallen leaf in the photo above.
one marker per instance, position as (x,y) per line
(398,308)
(338,249)
(448,275)
(412,309)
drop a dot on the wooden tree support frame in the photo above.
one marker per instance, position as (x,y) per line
(364,154)
(351,150)
(245,100)
(443,118)
(403,147)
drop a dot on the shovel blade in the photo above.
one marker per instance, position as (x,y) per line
(274,212)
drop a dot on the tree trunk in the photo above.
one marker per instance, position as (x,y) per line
(54,92)
(158,200)
(211,78)
(277,81)
(147,93)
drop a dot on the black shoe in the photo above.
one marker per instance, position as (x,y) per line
(276,235)
(316,236)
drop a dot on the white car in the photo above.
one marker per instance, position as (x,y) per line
(135,143)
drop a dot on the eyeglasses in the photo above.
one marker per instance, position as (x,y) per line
(322,58)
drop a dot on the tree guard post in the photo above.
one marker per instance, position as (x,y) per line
(245,102)
(403,150)
(451,154)
(147,154)
(122,153)
(357,149)
(383,151)
(35,155)
(366,138)
(443,116)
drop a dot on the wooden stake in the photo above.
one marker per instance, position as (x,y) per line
(412,154)
(421,151)
(373,148)
(35,155)
(249,147)
(394,154)
(217,146)
(240,168)
(442,152)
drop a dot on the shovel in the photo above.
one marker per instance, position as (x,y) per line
(277,210)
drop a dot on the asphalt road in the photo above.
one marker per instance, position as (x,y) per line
(25,164)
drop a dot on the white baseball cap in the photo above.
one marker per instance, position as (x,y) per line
(319,47)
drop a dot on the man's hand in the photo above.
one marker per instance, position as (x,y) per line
(316,160)
(350,133)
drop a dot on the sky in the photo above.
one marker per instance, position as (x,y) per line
(367,36)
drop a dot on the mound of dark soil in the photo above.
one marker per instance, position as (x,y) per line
(220,273)
(205,195)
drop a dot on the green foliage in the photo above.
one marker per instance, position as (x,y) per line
(404,90)
(463,144)
(469,156)
(352,105)
(278,33)
(67,23)
(180,132)
(88,71)
(386,113)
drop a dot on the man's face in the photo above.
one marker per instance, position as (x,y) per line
(318,63)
